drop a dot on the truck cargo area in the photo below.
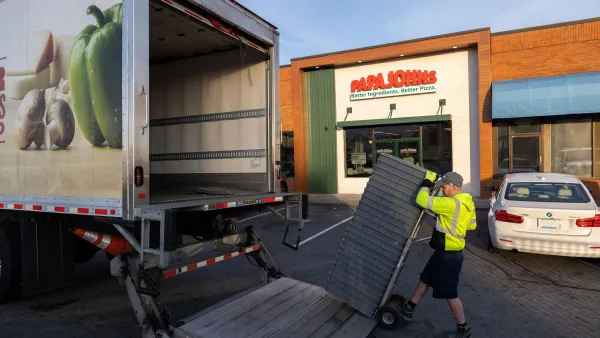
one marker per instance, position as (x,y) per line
(209,114)
(283,308)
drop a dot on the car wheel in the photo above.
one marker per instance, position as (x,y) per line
(490,246)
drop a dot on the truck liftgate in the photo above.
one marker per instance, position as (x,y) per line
(142,270)
(279,307)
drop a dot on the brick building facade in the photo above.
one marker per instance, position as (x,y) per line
(560,58)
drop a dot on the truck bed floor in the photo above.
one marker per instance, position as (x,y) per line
(284,308)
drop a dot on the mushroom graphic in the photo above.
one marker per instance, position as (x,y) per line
(30,120)
(60,125)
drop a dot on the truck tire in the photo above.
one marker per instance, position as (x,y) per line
(84,250)
(10,260)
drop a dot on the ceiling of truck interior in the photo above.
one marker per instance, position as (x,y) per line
(175,36)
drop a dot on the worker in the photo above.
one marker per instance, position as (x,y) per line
(455,215)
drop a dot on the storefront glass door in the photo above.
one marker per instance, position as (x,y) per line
(409,150)
(526,154)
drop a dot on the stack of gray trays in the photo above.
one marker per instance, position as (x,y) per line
(377,234)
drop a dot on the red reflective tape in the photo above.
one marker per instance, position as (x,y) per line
(192,266)
(221,206)
(38,208)
(505,240)
(227,256)
(194,15)
(168,1)
(83,210)
(170,273)
(18,206)
(113,212)
(215,23)
(2,205)
(101,212)
(269,200)
(59,209)
(210,261)
(594,247)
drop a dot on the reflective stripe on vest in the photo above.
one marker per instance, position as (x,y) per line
(452,230)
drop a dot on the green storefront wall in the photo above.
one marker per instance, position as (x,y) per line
(320,105)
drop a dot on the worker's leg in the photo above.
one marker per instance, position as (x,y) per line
(420,292)
(426,280)
(457,310)
(451,270)
(462,329)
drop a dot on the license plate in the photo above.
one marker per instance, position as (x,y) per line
(249,202)
(548,223)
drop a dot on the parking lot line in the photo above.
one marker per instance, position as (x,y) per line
(324,231)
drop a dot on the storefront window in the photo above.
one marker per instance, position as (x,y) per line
(558,146)
(287,154)
(359,152)
(572,148)
(437,147)
(503,159)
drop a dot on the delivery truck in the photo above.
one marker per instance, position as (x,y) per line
(131,127)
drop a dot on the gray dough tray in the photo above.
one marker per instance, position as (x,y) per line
(377,234)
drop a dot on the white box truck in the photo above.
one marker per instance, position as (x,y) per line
(126,126)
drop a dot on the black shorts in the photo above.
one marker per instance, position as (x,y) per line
(442,273)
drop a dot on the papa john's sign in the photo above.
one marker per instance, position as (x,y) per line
(397,83)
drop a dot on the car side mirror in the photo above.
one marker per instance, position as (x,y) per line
(490,187)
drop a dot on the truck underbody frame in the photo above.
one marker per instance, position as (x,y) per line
(142,270)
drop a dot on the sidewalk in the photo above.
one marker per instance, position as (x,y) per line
(353,199)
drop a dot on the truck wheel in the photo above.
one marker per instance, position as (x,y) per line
(9,266)
(84,250)
(388,317)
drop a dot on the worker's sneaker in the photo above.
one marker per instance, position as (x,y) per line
(461,332)
(407,312)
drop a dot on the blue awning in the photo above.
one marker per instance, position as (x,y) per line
(547,96)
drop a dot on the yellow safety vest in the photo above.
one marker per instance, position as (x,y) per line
(456,215)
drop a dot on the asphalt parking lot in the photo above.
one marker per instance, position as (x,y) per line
(505,294)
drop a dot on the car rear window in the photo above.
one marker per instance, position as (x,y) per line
(546,192)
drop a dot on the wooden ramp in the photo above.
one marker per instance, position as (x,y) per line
(283,308)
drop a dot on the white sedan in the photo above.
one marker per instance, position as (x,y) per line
(543,213)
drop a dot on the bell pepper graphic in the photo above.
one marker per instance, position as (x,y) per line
(95,77)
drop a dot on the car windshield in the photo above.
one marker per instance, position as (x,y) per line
(546,192)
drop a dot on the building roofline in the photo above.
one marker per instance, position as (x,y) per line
(554,25)
(392,44)
(285,66)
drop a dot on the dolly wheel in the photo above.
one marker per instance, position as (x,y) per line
(388,317)
(397,300)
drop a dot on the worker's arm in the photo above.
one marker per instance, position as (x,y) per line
(473,224)
(439,205)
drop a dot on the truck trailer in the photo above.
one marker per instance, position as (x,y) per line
(132,127)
